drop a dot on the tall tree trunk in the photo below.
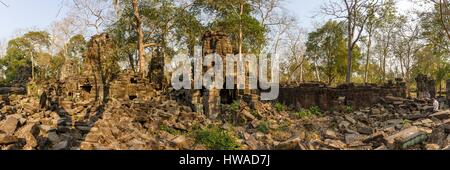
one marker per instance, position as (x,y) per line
(301,73)
(366,71)
(240,26)
(348,78)
(385,53)
(140,42)
(131,60)
(317,71)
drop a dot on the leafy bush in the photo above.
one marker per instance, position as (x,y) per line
(216,139)
(280,107)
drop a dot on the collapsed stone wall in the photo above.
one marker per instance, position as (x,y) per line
(98,78)
(448,92)
(327,98)
(426,87)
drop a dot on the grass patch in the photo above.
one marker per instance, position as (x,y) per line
(216,139)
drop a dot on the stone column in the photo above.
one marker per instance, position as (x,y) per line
(211,103)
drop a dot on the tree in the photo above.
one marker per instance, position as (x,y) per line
(443,10)
(165,22)
(93,14)
(295,63)
(356,13)
(406,45)
(21,54)
(327,47)
(437,45)
(235,18)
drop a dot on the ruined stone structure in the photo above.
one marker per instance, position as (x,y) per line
(215,43)
(129,86)
(208,101)
(426,87)
(99,78)
(448,92)
(156,70)
(318,94)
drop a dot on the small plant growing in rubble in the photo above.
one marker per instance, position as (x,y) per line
(280,107)
(216,139)
(169,130)
(303,113)
(263,127)
(349,109)
(235,106)
(315,110)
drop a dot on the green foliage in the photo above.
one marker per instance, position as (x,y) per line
(306,113)
(216,139)
(263,127)
(327,48)
(284,126)
(229,19)
(303,113)
(349,109)
(170,130)
(18,56)
(280,107)
(235,106)
(315,110)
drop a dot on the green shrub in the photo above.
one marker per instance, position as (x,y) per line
(216,139)
(280,107)
(263,127)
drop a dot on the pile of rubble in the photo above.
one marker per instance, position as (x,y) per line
(159,123)
(127,124)
(396,124)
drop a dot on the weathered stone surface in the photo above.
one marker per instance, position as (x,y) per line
(9,125)
(404,136)
(329,134)
(335,144)
(441,115)
(29,133)
(375,111)
(293,144)
(53,137)
(432,147)
(61,145)
(8,139)
(180,142)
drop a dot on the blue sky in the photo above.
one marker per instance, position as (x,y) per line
(39,14)
(26,14)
